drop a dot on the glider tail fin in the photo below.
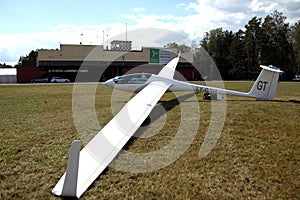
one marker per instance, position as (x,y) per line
(265,86)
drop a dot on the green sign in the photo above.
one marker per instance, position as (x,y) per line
(154,56)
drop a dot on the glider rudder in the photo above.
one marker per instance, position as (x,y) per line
(265,86)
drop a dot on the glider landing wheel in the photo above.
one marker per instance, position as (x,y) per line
(206,96)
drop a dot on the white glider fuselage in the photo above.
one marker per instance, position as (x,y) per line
(264,88)
(136,86)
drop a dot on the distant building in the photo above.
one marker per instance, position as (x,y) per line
(8,75)
(92,61)
(27,74)
(119,45)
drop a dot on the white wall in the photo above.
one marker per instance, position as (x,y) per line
(8,75)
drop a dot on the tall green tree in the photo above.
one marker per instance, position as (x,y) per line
(237,57)
(276,47)
(296,46)
(28,60)
(252,47)
(217,43)
(181,47)
(4,65)
(268,41)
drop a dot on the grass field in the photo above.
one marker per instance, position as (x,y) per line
(256,157)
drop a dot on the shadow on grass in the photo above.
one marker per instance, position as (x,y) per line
(68,198)
(246,100)
(295,101)
(155,114)
(169,105)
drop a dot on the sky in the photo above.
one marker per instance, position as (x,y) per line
(31,24)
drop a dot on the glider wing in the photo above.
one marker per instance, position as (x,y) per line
(105,146)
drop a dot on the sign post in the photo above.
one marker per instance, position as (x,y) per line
(154,56)
(159,56)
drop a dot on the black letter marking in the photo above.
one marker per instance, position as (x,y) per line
(262,85)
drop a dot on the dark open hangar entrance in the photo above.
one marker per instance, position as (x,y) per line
(98,71)
(185,71)
(94,63)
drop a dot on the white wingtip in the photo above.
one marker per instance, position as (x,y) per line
(179,54)
(70,184)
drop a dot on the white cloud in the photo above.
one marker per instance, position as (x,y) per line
(234,14)
(263,6)
(181,5)
(138,10)
(289,8)
(204,15)
(256,5)
(22,44)
(198,17)
(6,56)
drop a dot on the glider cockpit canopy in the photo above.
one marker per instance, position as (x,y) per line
(139,78)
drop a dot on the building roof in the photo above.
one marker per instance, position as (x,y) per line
(74,52)
(8,71)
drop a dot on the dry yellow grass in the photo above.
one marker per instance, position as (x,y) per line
(256,156)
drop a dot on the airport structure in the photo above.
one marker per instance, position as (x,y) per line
(8,75)
(95,63)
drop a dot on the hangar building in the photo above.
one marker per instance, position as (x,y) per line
(95,63)
(8,75)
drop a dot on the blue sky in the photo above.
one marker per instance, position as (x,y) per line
(35,16)
(31,24)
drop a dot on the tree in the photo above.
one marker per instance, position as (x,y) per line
(237,57)
(28,60)
(276,47)
(195,46)
(181,47)
(204,42)
(217,43)
(296,45)
(252,42)
(205,65)
(4,65)
(268,41)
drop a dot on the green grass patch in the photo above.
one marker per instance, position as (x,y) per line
(257,155)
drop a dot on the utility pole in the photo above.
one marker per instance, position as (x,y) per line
(126,32)
(81,35)
(107,38)
(103,38)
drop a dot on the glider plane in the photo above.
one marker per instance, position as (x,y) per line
(263,89)
(86,165)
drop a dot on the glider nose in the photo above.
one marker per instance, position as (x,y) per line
(110,83)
